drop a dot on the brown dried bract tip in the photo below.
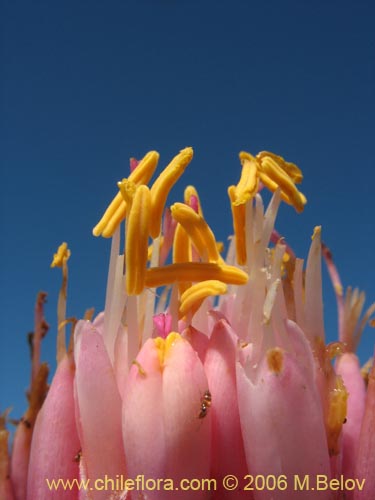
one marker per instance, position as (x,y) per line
(275,358)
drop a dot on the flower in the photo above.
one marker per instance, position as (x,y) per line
(201,367)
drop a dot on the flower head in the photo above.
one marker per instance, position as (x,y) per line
(201,365)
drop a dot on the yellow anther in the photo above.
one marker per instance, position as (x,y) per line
(282,179)
(115,220)
(238,216)
(163,346)
(248,184)
(127,189)
(197,228)
(194,271)
(337,410)
(145,168)
(163,184)
(193,296)
(61,256)
(181,245)
(137,241)
(290,168)
(190,192)
(182,252)
(116,211)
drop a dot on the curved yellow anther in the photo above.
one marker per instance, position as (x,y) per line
(271,169)
(193,296)
(145,168)
(163,184)
(182,252)
(290,168)
(113,223)
(197,228)
(116,211)
(127,189)
(247,186)
(181,245)
(238,216)
(136,247)
(61,256)
(194,271)
(190,192)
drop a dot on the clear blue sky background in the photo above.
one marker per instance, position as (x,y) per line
(87,84)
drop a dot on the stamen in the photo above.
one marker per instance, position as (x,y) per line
(116,210)
(194,296)
(198,230)
(116,219)
(127,189)
(277,174)
(137,241)
(238,216)
(181,245)
(248,184)
(194,271)
(290,168)
(163,184)
(182,252)
(61,256)
(60,259)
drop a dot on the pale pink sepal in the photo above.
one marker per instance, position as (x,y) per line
(187,436)
(55,442)
(349,368)
(365,467)
(20,459)
(282,425)
(142,416)
(163,435)
(228,455)
(198,340)
(98,407)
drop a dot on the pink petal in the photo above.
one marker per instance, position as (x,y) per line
(282,424)
(98,407)
(220,366)
(349,368)
(142,416)
(365,468)
(163,434)
(55,442)
(187,436)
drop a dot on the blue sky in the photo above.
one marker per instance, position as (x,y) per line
(86,85)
